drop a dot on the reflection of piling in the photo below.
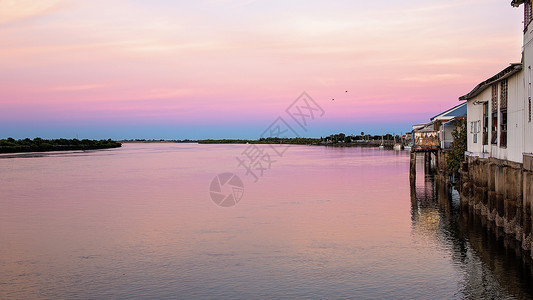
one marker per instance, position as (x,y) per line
(430,162)
(468,234)
(427,162)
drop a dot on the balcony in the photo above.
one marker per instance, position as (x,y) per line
(426,141)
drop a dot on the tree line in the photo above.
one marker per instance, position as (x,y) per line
(339,138)
(10,145)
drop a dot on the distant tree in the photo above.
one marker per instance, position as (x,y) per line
(458,149)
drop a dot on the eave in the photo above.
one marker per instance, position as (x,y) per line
(504,74)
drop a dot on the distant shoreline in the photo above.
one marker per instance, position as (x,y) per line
(333,140)
(305,142)
(11,145)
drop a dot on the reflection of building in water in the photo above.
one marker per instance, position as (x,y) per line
(491,266)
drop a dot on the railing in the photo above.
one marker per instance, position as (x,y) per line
(426,139)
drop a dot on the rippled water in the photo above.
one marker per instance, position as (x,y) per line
(138,222)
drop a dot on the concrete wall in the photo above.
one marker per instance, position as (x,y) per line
(502,192)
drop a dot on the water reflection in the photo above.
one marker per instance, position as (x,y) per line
(137,222)
(491,264)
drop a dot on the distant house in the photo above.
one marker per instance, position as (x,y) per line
(450,114)
(446,122)
(438,132)
(425,137)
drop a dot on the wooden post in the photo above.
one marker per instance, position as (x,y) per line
(412,169)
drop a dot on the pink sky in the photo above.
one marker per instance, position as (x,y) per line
(228,68)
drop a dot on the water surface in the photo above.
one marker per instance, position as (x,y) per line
(138,222)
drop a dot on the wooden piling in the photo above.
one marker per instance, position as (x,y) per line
(412,169)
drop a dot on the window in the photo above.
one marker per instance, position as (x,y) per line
(474,131)
(503,113)
(494,136)
(503,128)
(494,105)
(485,123)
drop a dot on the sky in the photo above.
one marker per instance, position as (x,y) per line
(172,69)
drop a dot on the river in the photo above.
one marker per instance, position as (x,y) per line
(143,221)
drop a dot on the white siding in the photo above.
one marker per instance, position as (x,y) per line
(528,65)
(475,115)
(515,104)
(519,126)
(515,122)
(445,136)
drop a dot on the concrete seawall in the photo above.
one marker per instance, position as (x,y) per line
(502,193)
(499,192)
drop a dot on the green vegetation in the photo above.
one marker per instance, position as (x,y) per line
(11,145)
(458,149)
(339,139)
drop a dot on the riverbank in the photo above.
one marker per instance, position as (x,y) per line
(11,145)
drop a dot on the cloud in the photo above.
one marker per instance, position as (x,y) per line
(14,10)
(432,78)
(83,87)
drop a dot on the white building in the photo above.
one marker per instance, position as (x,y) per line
(495,116)
(438,132)
(446,122)
(499,108)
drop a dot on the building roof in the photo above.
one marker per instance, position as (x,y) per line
(505,73)
(423,127)
(516,3)
(453,122)
(456,111)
